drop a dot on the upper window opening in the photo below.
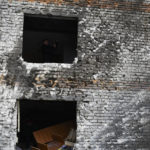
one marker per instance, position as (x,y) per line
(49,39)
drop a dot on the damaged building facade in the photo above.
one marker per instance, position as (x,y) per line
(107,77)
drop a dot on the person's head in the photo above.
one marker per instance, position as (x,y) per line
(46,42)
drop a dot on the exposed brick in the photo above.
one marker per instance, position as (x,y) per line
(110,80)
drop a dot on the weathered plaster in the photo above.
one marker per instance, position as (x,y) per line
(109,79)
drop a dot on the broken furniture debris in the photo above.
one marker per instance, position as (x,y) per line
(54,137)
(35,148)
(70,140)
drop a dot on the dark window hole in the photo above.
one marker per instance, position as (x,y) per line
(34,116)
(49,39)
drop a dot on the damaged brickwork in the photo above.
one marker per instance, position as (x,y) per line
(109,79)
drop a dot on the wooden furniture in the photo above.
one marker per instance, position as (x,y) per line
(51,138)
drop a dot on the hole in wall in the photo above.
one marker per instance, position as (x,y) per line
(49,39)
(35,116)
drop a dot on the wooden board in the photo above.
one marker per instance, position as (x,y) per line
(46,135)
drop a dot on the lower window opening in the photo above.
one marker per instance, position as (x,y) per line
(46,125)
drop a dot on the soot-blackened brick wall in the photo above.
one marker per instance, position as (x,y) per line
(109,79)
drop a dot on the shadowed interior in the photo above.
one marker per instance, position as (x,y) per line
(59,30)
(35,115)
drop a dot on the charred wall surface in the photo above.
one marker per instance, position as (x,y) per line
(109,79)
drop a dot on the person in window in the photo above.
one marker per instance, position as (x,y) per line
(48,51)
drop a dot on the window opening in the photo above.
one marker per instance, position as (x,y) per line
(46,124)
(49,39)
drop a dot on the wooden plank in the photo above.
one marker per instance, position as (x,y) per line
(45,135)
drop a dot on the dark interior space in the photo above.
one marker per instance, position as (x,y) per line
(61,34)
(35,115)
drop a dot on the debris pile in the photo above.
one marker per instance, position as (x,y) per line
(57,137)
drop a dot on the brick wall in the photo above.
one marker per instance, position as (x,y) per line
(109,79)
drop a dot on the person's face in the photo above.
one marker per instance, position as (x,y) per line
(46,42)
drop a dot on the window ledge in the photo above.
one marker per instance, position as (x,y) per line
(46,66)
